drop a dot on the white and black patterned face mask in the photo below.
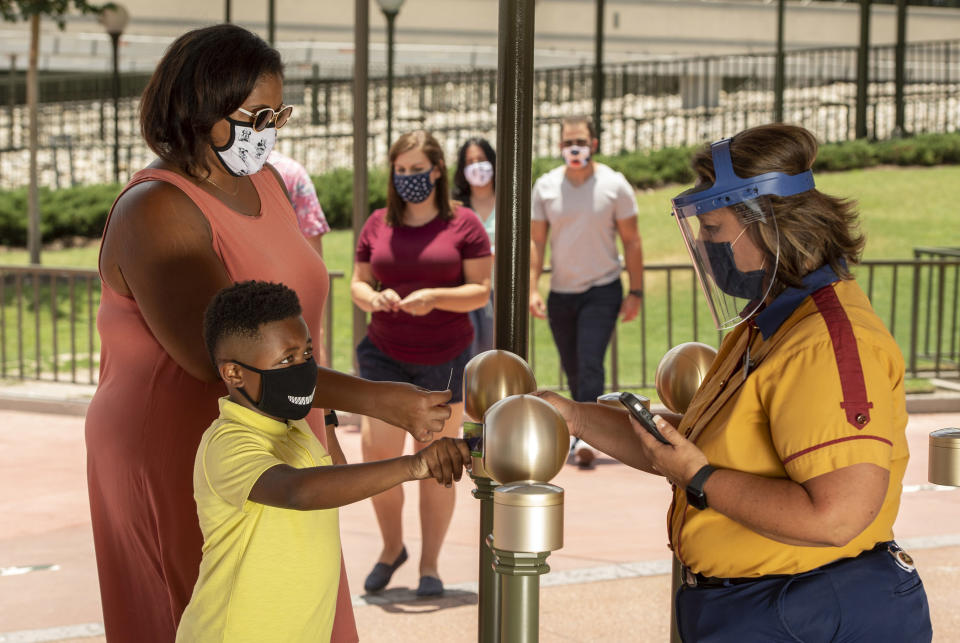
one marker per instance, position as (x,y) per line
(247,149)
(413,188)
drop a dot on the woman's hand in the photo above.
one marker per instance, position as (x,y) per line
(386,300)
(418,303)
(679,461)
(567,408)
(444,461)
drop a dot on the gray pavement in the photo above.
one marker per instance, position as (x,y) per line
(610,582)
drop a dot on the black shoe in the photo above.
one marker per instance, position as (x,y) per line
(430,586)
(382,572)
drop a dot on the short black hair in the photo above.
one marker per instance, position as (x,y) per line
(203,77)
(461,187)
(241,309)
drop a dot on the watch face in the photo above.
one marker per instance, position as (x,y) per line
(697,499)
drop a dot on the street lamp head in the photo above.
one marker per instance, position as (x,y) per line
(114,18)
(390,6)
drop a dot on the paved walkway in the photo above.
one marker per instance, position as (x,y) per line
(609,583)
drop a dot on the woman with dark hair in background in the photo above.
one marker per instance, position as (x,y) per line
(422,264)
(207,213)
(474,185)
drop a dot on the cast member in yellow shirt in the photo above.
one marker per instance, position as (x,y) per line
(787,465)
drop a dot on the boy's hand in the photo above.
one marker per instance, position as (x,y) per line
(444,461)
(416,410)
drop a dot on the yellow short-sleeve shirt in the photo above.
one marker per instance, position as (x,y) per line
(826,394)
(267,574)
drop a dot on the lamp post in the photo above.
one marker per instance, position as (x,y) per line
(598,74)
(390,9)
(114,19)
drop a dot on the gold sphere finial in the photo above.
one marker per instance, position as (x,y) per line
(680,373)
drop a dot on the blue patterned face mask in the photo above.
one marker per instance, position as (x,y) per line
(413,188)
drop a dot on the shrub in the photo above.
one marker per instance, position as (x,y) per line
(82,210)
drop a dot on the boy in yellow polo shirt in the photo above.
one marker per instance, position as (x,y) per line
(267,491)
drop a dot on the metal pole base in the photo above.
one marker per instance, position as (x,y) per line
(519,574)
(488,592)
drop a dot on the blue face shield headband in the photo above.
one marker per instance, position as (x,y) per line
(729,189)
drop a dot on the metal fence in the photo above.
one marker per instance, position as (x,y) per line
(48,317)
(647,105)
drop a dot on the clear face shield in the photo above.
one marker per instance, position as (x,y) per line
(731,234)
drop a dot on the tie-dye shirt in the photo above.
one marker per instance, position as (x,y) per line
(303,196)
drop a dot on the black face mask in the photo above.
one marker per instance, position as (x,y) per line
(729,278)
(285,392)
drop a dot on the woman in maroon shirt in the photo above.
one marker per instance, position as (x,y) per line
(422,264)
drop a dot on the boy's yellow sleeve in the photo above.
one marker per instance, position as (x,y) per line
(233,460)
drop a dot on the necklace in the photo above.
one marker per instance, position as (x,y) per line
(214,184)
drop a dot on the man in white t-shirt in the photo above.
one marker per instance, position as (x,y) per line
(582,206)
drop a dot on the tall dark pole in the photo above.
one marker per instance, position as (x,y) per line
(391,16)
(779,78)
(900,68)
(115,39)
(271,22)
(598,74)
(226,11)
(514,174)
(361,64)
(863,69)
(12,98)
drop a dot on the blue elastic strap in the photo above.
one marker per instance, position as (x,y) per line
(729,189)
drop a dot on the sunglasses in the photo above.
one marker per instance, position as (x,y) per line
(579,142)
(263,117)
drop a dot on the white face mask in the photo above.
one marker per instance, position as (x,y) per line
(576,156)
(246,150)
(478,174)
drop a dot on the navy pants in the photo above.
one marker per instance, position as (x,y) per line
(582,324)
(869,598)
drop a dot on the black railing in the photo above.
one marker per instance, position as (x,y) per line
(48,318)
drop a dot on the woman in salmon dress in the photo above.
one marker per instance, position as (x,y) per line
(208,212)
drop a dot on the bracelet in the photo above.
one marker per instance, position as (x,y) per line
(331,418)
(636,292)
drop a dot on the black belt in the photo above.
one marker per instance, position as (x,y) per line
(690,578)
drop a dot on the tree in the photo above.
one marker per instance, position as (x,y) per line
(32,11)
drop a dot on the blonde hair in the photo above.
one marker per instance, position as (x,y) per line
(814,228)
(424,141)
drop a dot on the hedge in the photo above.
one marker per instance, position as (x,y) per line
(81,211)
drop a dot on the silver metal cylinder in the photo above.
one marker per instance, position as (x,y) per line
(943,465)
(528,517)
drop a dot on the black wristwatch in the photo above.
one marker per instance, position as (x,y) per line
(636,292)
(695,496)
(331,418)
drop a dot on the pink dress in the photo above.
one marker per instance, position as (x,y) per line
(148,414)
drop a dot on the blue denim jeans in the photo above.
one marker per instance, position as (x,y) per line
(582,325)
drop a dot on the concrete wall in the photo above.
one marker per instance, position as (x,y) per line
(464,32)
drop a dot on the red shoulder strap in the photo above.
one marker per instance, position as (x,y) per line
(854,388)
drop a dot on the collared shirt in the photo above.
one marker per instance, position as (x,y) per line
(267,574)
(824,391)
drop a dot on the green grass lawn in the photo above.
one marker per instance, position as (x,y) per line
(901,208)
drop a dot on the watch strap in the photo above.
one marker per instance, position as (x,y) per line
(636,292)
(695,486)
(331,418)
